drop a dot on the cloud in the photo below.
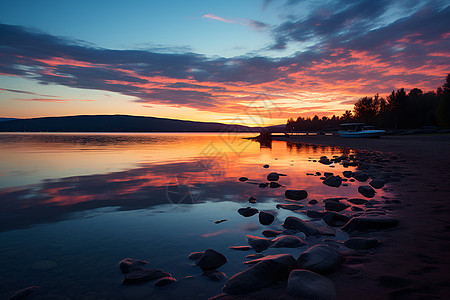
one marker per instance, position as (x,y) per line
(257,25)
(24,92)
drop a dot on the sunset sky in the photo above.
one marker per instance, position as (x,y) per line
(249,62)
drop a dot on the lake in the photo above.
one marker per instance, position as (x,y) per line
(73,205)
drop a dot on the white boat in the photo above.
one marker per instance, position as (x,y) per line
(360,130)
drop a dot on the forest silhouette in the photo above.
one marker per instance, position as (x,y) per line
(399,110)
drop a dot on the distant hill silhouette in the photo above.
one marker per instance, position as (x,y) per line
(115,123)
(6,119)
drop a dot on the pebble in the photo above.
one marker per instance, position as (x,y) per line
(366,191)
(296,194)
(257,243)
(248,211)
(211,260)
(243,179)
(273,177)
(266,218)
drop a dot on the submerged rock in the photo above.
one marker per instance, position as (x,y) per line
(142,276)
(266,218)
(252,200)
(243,179)
(195,255)
(287,241)
(165,281)
(300,225)
(248,211)
(273,177)
(265,272)
(296,194)
(366,191)
(367,223)
(129,264)
(211,260)
(215,275)
(240,248)
(290,206)
(271,233)
(23,293)
(333,181)
(309,285)
(335,219)
(359,243)
(258,243)
(320,259)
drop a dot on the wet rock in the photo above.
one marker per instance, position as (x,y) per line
(220,221)
(273,177)
(347,174)
(257,243)
(313,202)
(318,174)
(300,225)
(266,166)
(296,194)
(263,184)
(377,184)
(287,241)
(314,214)
(22,294)
(359,243)
(142,276)
(211,260)
(366,191)
(129,264)
(215,275)
(196,255)
(255,256)
(324,160)
(240,248)
(274,185)
(320,258)
(357,201)
(335,219)
(328,174)
(333,181)
(362,223)
(355,208)
(165,281)
(360,176)
(243,179)
(265,272)
(271,233)
(336,199)
(266,218)
(290,206)
(252,200)
(336,206)
(309,285)
(248,211)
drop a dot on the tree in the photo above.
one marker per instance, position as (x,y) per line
(443,107)
(347,115)
(366,109)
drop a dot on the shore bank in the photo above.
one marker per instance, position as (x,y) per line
(413,263)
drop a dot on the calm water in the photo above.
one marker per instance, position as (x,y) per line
(73,205)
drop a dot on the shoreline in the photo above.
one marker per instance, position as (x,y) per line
(413,261)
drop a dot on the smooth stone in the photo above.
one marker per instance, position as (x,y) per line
(377,184)
(309,285)
(271,233)
(196,255)
(337,199)
(355,208)
(313,202)
(274,185)
(366,191)
(263,184)
(265,272)
(360,176)
(243,179)
(44,265)
(266,218)
(314,214)
(336,206)
(211,260)
(287,241)
(252,200)
(240,248)
(255,256)
(165,281)
(266,166)
(141,276)
(335,219)
(300,225)
(220,221)
(290,206)
(247,211)
(129,264)
(320,258)
(24,293)
(273,177)
(359,243)
(347,174)
(258,243)
(318,174)
(357,201)
(296,194)
(333,181)
(367,223)
(328,174)
(215,275)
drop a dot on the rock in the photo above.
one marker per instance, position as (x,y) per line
(263,184)
(129,264)
(274,185)
(377,184)
(196,255)
(266,218)
(290,206)
(271,233)
(336,206)
(252,200)
(366,191)
(355,208)
(23,293)
(243,179)
(360,176)
(328,174)
(266,166)
(313,202)
(287,241)
(347,174)
(241,248)
(359,243)
(324,160)
(337,199)
(318,174)
(211,260)
(335,219)
(220,221)
(314,214)
(255,256)
(357,201)
(333,181)
(300,225)
(265,272)
(296,194)
(145,275)
(320,258)
(215,275)
(257,243)
(165,281)
(273,177)
(367,223)
(248,211)
(309,285)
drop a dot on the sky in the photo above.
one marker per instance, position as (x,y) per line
(254,62)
